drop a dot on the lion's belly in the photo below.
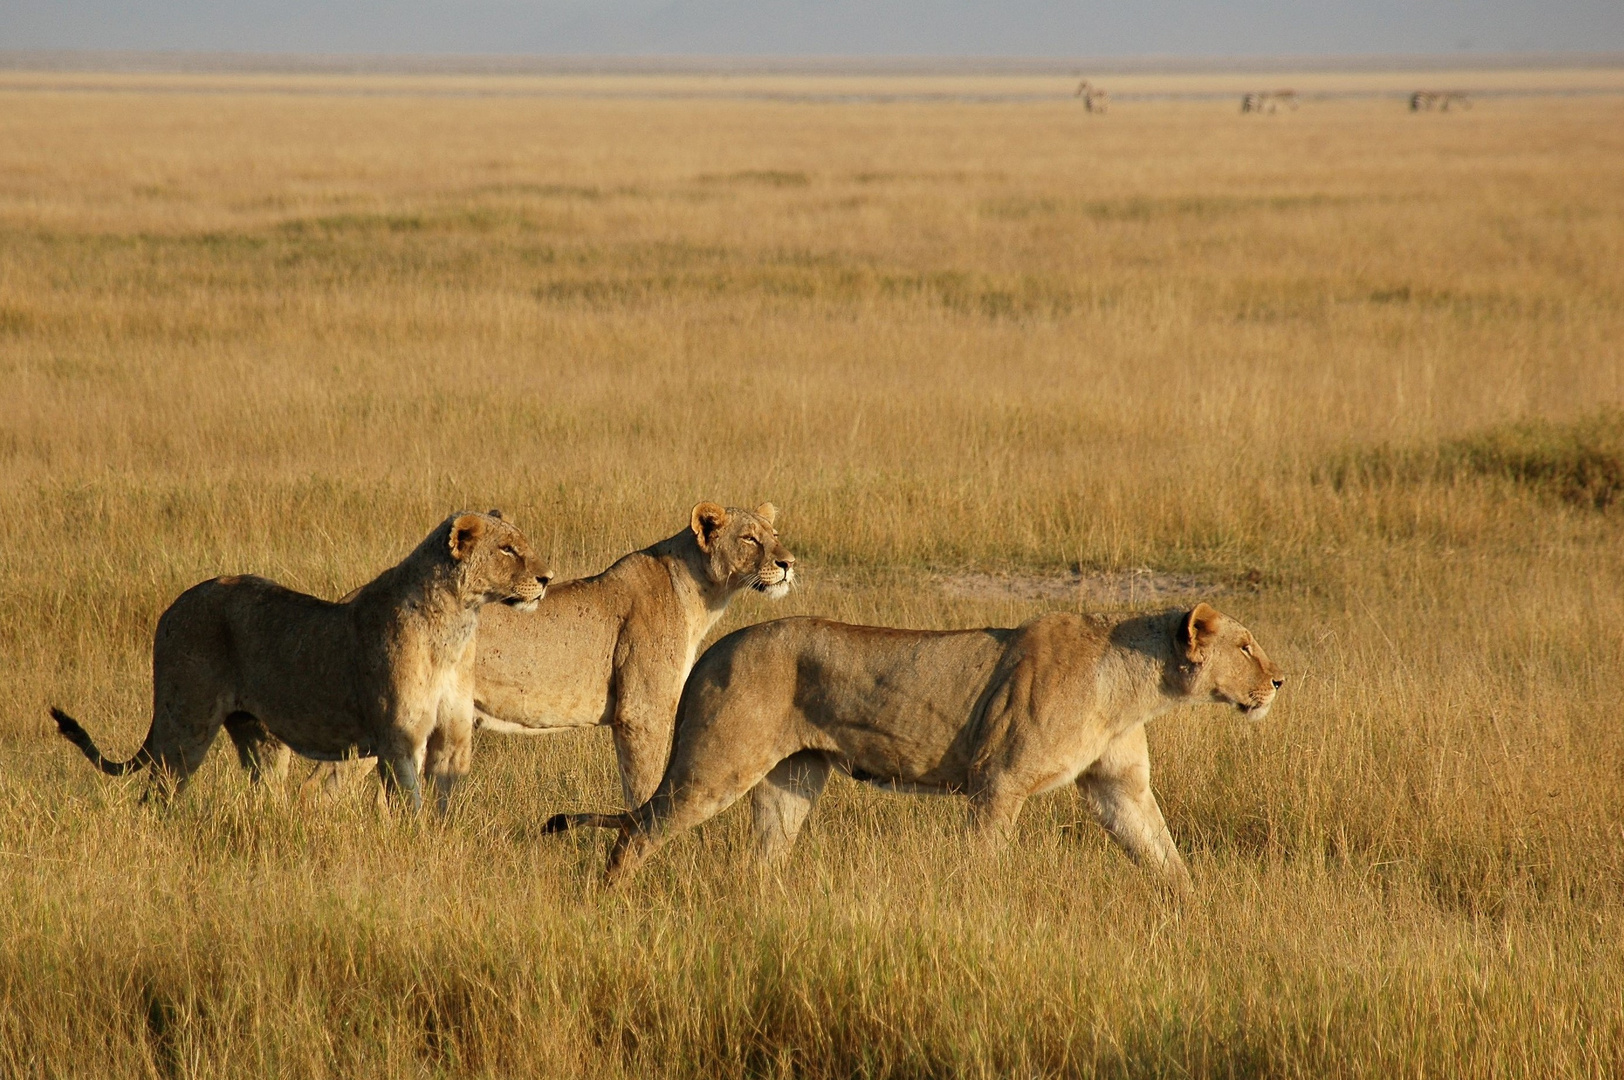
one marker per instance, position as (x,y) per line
(897,707)
(321,734)
(496,726)
(309,709)
(521,710)
(915,743)
(547,669)
(520,692)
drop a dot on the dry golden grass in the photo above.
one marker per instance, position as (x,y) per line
(285,332)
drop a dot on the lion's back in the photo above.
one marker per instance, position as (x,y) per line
(246,624)
(869,674)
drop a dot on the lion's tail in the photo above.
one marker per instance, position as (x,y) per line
(78,736)
(565,822)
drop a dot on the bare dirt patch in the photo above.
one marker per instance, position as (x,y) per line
(1131,588)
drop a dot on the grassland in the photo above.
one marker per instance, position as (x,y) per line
(1351,368)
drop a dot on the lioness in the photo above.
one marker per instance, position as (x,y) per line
(382,673)
(615,648)
(998,715)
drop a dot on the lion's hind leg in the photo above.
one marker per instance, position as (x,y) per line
(258,751)
(186,715)
(194,690)
(782,801)
(642,833)
(686,798)
(182,734)
(724,747)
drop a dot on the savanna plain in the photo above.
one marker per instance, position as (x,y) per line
(1348,373)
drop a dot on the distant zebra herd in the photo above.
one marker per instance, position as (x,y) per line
(1268,101)
(1096,98)
(1441,100)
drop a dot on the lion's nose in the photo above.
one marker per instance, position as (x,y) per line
(544,579)
(786,562)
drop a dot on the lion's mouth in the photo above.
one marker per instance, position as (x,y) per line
(522,602)
(774,590)
(1254,712)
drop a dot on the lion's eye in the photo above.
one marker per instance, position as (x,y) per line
(509,552)
(1247,648)
(752,540)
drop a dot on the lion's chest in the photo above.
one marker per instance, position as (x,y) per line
(1066,761)
(431,676)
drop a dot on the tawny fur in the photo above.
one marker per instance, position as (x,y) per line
(384,673)
(616,647)
(997,715)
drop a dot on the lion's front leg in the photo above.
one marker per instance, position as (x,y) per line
(398,775)
(449,752)
(645,715)
(993,812)
(641,754)
(1117,787)
(401,758)
(450,745)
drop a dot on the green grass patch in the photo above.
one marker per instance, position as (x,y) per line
(1579,462)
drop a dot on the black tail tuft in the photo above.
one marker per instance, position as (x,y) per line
(556,824)
(74,733)
(78,736)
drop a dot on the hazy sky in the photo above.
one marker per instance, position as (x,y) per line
(818,27)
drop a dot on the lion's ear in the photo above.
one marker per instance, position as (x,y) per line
(1200,630)
(465,533)
(767,512)
(707,521)
(495,513)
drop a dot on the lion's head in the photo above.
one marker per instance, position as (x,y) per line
(741,548)
(1222,660)
(496,561)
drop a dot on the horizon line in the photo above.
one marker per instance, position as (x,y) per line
(188,61)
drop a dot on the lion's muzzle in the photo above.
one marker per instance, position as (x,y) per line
(1262,700)
(527,593)
(776,588)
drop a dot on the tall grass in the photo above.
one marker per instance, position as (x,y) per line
(1352,368)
